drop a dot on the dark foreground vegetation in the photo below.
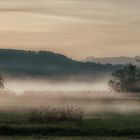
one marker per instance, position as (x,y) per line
(66,138)
(20,123)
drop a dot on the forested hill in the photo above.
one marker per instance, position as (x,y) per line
(44,63)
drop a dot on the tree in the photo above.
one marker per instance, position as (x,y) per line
(1,82)
(123,79)
(137,58)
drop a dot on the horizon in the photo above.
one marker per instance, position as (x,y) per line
(95,28)
(13,49)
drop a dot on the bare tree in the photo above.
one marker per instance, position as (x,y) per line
(1,82)
(126,79)
(137,58)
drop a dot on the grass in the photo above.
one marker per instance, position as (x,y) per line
(84,128)
(48,114)
(121,120)
(100,125)
(68,138)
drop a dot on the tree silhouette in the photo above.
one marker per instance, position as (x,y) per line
(1,82)
(123,79)
(137,58)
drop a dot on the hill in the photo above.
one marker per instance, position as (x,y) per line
(44,63)
(112,60)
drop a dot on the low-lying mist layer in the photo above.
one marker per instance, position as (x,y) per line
(20,86)
(90,102)
(91,97)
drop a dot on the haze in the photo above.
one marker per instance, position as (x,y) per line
(16,85)
(92,27)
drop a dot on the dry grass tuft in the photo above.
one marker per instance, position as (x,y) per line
(48,114)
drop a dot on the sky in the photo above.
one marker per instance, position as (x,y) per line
(76,28)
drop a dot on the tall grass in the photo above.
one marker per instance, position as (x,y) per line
(48,114)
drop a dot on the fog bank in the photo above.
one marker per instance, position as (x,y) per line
(20,86)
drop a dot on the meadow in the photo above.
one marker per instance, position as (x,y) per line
(67,115)
(67,138)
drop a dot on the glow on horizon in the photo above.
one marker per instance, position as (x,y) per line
(76,28)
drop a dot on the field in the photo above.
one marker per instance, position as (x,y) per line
(105,124)
(67,138)
(76,116)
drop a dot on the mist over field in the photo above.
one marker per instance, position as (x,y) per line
(20,86)
(42,78)
(92,97)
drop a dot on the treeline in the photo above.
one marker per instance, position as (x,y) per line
(43,63)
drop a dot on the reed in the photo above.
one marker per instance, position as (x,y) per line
(49,114)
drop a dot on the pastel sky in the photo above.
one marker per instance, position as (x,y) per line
(77,28)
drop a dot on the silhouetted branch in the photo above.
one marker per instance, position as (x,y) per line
(1,82)
(137,58)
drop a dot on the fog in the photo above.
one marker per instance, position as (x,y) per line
(20,86)
(91,97)
(90,102)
